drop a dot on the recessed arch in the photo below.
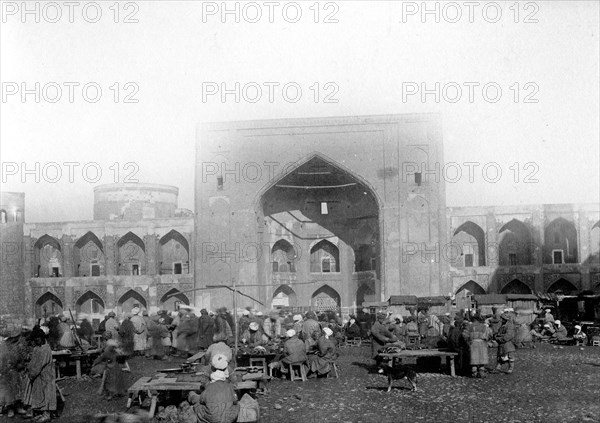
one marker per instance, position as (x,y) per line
(89,237)
(477,233)
(326,298)
(562,285)
(284,296)
(89,303)
(283,256)
(175,235)
(560,235)
(324,258)
(362,292)
(516,247)
(132,255)
(48,304)
(47,240)
(473,287)
(174,254)
(88,256)
(172,299)
(516,287)
(129,300)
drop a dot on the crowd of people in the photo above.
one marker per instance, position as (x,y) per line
(27,374)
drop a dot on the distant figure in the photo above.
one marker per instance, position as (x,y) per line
(115,384)
(478,337)
(548,317)
(40,392)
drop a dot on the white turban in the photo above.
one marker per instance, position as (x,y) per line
(245,313)
(547,310)
(219,362)
(328,332)
(260,313)
(557,322)
(219,375)
(290,333)
(253,326)
(577,327)
(297,318)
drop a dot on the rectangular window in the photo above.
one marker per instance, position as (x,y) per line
(95,269)
(219,183)
(275,266)
(557,256)
(55,272)
(177,304)
(326,265)
(468,260)
(291,266)
(373,264)
(135,269)
(418,179)
(177,268)
(324,209)
(512,259)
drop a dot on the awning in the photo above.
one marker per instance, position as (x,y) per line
(432,301)
(403,300)
(515,297)
(490,299)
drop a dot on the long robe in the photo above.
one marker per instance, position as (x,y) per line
(40,392)
(319,362)
(478,337)
(116,381)
(217,404)
(126,334)
(206,330)
(140,335)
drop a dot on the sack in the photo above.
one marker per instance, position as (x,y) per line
(249,410)
(166,341)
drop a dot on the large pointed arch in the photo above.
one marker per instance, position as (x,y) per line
(290,168)
(515,287)
(326,298)
(283,256)
(325,257)
(130,236)
(473,287)
(563,286)
(476,232)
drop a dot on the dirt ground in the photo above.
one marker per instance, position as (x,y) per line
(550,384)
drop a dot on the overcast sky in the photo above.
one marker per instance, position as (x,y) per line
(544,122)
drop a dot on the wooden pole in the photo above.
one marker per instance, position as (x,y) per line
(235,323)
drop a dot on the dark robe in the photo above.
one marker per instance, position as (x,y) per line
(126,333)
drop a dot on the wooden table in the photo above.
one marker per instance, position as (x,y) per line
(424,353)
(153,385)
(68,355)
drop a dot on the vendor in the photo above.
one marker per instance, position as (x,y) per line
(254,336)
(548,317)
(218,402)
(560,332)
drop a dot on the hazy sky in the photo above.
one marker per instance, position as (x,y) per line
(546,118)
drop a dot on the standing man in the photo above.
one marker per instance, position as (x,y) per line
(139,336)
(506,348)
(380,336)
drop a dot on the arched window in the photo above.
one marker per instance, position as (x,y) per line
(174,254)
(283,257)
(562,286)
(472,287)
(324,258)
(594,256)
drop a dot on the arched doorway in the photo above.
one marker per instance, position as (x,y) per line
(284,296)
(516,247)
(129,300)
(48,305)
(320,206)
(173,299)
(326,299)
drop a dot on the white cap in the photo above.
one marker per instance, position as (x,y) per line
(328,331)
(245,312)
(253,326)
(297,318)
(577,327)
(290,333)
(259,313)
(557,322)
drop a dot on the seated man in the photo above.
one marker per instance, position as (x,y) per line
(218,402)
(560,332)
(352,329)
(579,336)
(253,336)
(294,352)
(318,363)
